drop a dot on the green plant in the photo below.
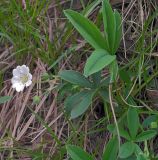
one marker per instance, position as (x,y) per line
(77,153)
(121,91)
(129,150)
(105,45)
(130,131)
(5,99)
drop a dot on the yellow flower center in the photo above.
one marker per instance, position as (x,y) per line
(24,78)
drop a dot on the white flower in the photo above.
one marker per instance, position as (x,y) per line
(21,78)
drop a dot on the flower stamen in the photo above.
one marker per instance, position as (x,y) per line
(24,78)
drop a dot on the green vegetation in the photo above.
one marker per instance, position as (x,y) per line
(94,90)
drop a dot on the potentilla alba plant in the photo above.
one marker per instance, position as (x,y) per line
(105,46)
(21,78)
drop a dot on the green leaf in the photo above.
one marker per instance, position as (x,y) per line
(97,61)
(104,95)
(142,157)
(113,71)
(109,25)
(5,99)
(122,131)
(111,149)
(75,78)
(96,78)
(87,29)
(111,128)
(77,153)
(77,104)
(149,120)
(90,7)
(118,30)
(138,150)
(146,135)
(124,75)
(126,149)
(133,121)
(129,158)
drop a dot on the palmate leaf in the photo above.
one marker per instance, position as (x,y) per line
(122,131)
(111,150)
(126,149)
(109,25)
(97,61)
(112,26)
(113,71)
(75,78)
(118,31)
(146,135)
(96,78)
(77,153)
(133,121)
(87,29)
(149,120)
(77,104)
(142,157)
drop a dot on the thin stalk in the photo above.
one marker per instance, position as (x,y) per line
(113,112)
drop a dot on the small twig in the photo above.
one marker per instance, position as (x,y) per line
(113,112)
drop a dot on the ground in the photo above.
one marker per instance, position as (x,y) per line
(36,33)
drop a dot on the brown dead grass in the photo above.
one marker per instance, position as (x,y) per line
(16,120)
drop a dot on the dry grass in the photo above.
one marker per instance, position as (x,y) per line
(19,128)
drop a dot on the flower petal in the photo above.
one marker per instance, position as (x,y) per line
(16,72)
(18,86)
(28,83)
(18,68)
(15,80)
(24,69)
(30,76)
